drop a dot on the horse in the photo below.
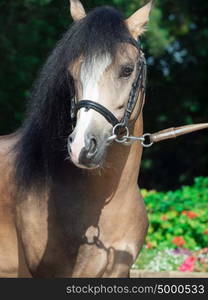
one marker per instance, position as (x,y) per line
(70,205)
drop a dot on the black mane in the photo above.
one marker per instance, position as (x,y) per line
(41,150)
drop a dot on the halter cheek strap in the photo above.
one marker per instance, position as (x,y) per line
(139,86)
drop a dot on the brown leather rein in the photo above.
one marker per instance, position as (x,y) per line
(148,139)
(171,133)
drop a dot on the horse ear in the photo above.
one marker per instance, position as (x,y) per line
(77,10)
(136,23)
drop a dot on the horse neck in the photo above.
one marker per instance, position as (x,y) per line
(125,160)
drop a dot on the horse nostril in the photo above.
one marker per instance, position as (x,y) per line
(71,138)
(93,146)
(70,141)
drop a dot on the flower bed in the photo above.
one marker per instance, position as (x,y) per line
(173,260)
(178,233)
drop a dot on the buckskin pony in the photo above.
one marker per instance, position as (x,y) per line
(70,205)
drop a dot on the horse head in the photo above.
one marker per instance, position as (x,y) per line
(104,76)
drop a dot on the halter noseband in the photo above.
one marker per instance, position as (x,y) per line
(88,104)
(137,86)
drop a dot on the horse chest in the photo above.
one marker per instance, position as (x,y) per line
(81,240)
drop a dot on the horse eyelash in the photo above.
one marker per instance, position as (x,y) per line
(123,69)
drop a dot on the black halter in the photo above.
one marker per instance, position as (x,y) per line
(138,86)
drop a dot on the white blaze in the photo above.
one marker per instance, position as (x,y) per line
(91,73)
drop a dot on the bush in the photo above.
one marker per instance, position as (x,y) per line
(178,226)
(179,200)
(178,218)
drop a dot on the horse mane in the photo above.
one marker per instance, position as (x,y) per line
(42,148)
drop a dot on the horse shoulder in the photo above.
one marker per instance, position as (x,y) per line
(8,236)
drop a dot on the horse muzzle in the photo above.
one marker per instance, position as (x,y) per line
(90,154)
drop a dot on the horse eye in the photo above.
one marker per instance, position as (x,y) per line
(126,72)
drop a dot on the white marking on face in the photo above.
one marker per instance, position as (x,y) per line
(91,74)
(79,141)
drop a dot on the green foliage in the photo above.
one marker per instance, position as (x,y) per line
(186,198)
(179,218)
(35,2)
(165,227)
(158,38)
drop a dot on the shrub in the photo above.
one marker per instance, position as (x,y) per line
(178,228)
(178,218)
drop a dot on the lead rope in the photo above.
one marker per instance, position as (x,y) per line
(148,139)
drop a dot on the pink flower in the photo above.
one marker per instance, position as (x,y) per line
(188,264)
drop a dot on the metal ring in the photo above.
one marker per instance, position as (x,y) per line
(144,144)
(125,136)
